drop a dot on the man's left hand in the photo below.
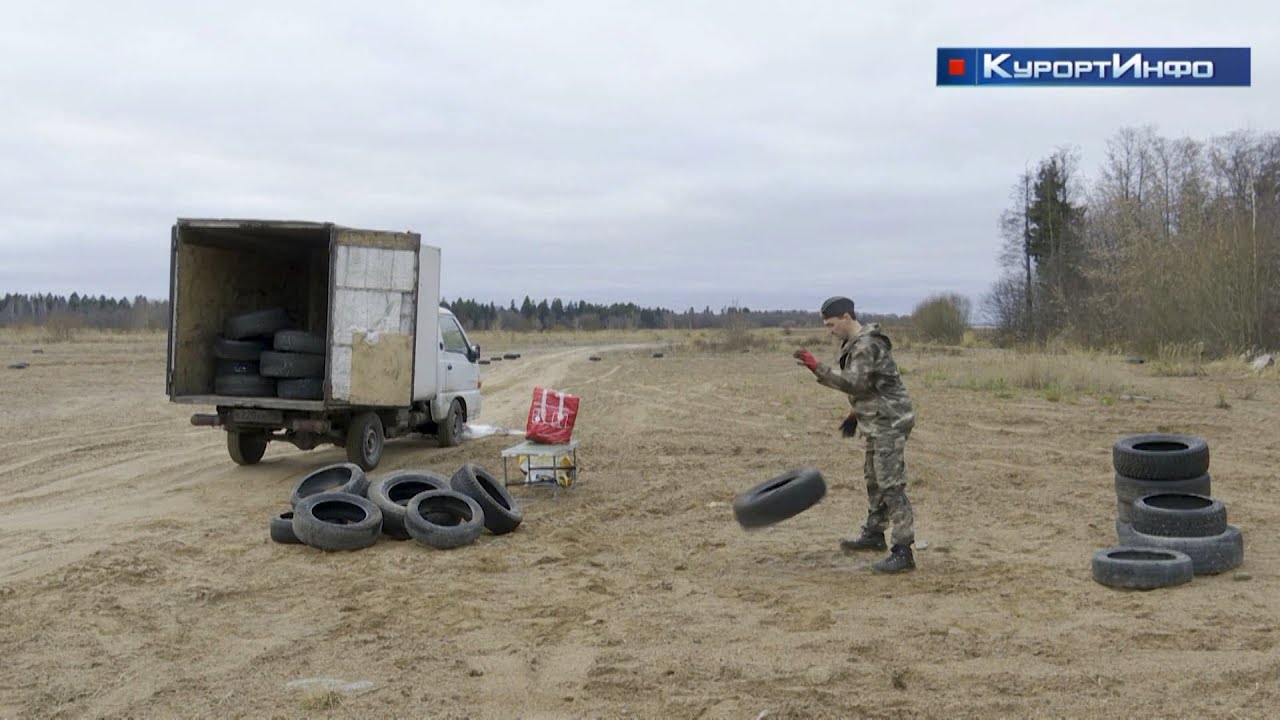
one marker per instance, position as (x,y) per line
(849,427)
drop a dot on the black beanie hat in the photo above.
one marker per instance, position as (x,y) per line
(837,306)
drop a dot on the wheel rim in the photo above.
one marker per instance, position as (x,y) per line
(456,429)
(371,445)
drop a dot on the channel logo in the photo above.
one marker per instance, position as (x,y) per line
(1217,66)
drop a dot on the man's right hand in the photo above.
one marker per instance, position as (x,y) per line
(806,359)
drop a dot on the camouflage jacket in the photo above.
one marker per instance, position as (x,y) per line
(869,376)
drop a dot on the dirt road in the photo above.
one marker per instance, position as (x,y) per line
(137,578)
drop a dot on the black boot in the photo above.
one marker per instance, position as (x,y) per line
(868,541)
(900,559)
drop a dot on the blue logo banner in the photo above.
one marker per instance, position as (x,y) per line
(1205,66)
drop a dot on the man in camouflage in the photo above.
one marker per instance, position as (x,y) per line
(883,412)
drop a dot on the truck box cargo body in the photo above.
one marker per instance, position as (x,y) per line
(394,361)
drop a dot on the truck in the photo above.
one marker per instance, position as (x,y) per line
(314,333)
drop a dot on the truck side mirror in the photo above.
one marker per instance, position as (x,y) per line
(473,352)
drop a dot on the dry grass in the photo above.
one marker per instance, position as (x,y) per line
(1008,373)
(321,700)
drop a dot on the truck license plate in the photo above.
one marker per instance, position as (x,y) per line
(257,416)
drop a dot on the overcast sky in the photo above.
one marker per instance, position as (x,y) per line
(669,153)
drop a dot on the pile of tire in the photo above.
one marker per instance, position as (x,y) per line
(259,355)
(337,508)
(1169,526)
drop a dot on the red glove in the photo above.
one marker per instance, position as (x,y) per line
(806,359)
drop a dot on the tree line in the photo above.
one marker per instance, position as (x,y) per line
(141,313)
(46,309)
(1176,242)
(543,314)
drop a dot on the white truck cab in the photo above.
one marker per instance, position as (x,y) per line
(457,398)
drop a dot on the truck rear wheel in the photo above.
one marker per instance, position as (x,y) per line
(449,429)
(365,438)
(246,447)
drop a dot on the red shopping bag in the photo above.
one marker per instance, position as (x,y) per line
(551,417)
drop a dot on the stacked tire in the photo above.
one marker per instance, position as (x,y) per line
(337,508)
(1169,526)
(238,353)
(259,355)
(296,362)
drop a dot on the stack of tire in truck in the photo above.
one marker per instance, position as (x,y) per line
(259,355)
(338,508)
(1169,526)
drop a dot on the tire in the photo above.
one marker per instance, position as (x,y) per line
(246,447)
(449,429)
(779,498)
(1141,568)
(483,362)
(247,350)
(291,365)
(244,386)
(1179,515)
(501,512)
(298,341)
(282,529)
(511,356)
(1209,555)
(444,519)
(496,358)
(301,389)
(337,521)
(339,479)
(393,492)
(263,323)
(235,367)
(1129,489)
(365,440)
(1160,456)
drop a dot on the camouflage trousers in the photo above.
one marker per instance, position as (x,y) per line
(885,470)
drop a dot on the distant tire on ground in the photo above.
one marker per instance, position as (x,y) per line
(246,447)
(263,323)
(1141,568)
(244,386)
(1179,515)
(502,514)
(1160,456)
(496,358)
(291,365)
(511,356)
(1209,555)
(282,529)
(235,367)
(227,349)
(298,341)
(657,354)
(594,358)
(779,498)
(484,362)
(337,521)
(1129,489)
(393,492)
(444,519)
(341,478)
(301,389)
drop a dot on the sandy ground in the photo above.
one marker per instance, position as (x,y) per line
(137,578)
